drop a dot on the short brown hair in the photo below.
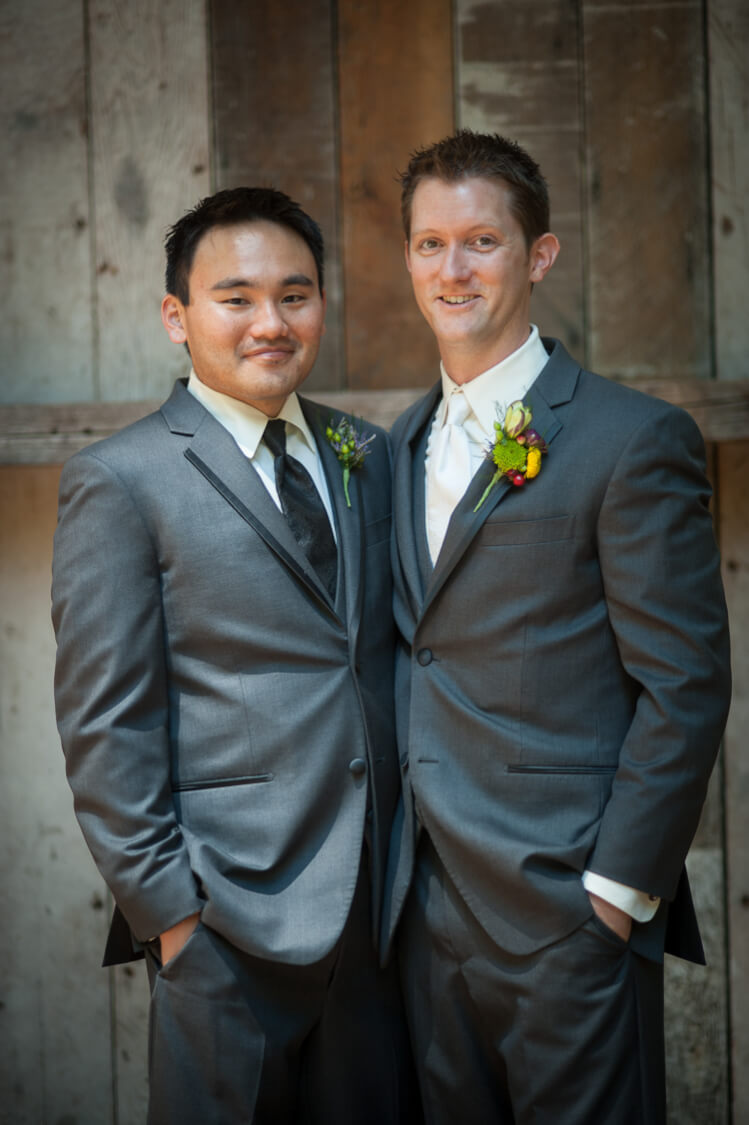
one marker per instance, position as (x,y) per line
(466,154)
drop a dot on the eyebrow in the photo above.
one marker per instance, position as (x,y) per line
(250,283)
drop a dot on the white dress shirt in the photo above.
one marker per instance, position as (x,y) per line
(246,424)
(488,396)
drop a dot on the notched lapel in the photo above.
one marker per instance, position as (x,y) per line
(348,520)
(407,463)
(465,522)
(215,454)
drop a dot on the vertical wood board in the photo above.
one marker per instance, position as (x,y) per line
(728,37)
(45,275)
(396,94)
(648,254)
(518,74)
(274,115)
(734,535)
(149,95)
(54,1019)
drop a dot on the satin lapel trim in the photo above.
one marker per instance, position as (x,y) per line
(465,522)
(349,531)
(215,454)
(403,485)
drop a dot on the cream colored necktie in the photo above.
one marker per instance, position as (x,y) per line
(448,471)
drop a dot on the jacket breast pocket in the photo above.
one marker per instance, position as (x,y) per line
(523,533)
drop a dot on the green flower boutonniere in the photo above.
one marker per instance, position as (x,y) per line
(517,451)
(349,446)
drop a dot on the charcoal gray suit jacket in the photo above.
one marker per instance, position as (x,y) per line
(562,680)
(228,730)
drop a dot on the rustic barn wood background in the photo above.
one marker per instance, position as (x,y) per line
(117,116)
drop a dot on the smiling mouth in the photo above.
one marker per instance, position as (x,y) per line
(459,299)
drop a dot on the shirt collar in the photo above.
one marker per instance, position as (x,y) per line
(246,423)
(491,392)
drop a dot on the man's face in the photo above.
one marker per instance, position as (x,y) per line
(255,317)
(472,271)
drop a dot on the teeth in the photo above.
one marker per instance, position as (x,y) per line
(457,300)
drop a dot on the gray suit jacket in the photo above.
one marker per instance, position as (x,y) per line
(228,730)
(563,677)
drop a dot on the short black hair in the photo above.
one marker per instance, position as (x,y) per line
(466,154)
(230,208)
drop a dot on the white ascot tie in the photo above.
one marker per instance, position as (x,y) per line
(449,471)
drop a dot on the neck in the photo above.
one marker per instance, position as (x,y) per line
(463,365)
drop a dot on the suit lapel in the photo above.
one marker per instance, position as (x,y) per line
(408,470)
(554,386)
(348,520)
(215,454)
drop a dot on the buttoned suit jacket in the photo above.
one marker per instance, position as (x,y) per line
(228,730)
(562,679)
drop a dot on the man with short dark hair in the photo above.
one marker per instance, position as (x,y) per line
(221,598)
(562,681)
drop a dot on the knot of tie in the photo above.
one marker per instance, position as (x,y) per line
(275,436)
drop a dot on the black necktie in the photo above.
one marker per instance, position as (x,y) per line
(302,506)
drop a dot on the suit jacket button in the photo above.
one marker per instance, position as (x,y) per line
(357,766)
(424,657)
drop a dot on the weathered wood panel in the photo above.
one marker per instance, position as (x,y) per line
(55,1064)
(149,97)
(734,534)
(274,114)
(50,434)
(45,275)
(647,159)
(728,38)
(396,94)
(518,74)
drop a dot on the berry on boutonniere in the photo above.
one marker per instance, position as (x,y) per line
(349,446)
(516,453)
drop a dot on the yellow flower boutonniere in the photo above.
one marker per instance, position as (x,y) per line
(517,451)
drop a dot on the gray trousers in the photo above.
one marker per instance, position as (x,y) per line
(234,1039)
(569,1035)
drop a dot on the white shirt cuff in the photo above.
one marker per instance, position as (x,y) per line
(637,904)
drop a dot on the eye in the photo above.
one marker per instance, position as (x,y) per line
(238,301)
(484,242)
(293,298)
(428,244)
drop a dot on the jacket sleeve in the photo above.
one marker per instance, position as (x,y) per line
(111,696)
(664,595)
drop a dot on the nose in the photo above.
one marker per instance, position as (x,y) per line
(455,264)
(268,323)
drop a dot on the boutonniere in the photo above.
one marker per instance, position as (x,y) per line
(349,446)
(517,451)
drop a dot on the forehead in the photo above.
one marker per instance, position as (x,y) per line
(260,250)
(474,200)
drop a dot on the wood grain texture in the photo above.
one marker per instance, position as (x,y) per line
(518,74)
(647,159)
(54,1019)
(45,275)
(149,139)
(50,434)
(734,538)
(396,94)
(728,38)
(274,120)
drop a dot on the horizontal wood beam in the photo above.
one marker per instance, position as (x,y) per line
(48,435)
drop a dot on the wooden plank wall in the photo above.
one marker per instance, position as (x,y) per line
(118,116)
(728,31)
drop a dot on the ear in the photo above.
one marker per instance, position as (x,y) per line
(408,256)
(543,255)
(172,317)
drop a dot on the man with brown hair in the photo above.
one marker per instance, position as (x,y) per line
(561,686)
